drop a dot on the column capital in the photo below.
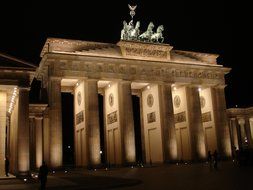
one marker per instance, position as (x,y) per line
(54,78)
(24,88)
(38,117)
(91,80)
(125,81)
(220,86)
(167,83)
(241,120)
(194,85)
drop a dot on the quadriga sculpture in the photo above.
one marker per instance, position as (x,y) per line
(158,36)
(146,36)
(129,32)
(135,32)
(124,31)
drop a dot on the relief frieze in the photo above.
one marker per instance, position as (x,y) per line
(141,71)
(180,117)
(79,117)
(122,69)
(112,117)
(145,53)
(206,117)
(151,117)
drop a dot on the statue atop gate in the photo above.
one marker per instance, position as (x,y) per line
(130,32)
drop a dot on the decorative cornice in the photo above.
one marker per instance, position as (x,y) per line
(145,51)
(20,61)
(68,45)
(37,109)
(64,66)
(133,49)
(240,112)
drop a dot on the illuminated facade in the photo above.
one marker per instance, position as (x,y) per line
(183,112)
(182,104)
(15,78)
(241,127)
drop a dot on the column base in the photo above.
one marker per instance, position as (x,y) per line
(23,174)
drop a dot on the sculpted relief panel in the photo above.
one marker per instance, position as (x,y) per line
(79,117)
(180,117)
(151,117)
(206,117)
(150,100)
(145,53)
(177,101)
(112,117)
(130,70)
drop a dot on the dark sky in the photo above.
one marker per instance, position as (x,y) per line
(214,26)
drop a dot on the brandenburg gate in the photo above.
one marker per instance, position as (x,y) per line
(182,100)
(182,103)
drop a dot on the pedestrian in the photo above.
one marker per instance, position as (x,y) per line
(210,160)
(215,160)
(237,157)
(7,166)
(43,171)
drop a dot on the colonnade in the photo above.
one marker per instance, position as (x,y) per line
(241,130)
(119,133)
(37,135)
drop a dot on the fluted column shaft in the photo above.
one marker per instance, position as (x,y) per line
(55,116)
(32,143)
(3,100)
(167,122)
(234,133)
(197,138)
(46,138)
(92,121)
(23,132)
(221,121)
(39,141)
(248,132)
(127,121)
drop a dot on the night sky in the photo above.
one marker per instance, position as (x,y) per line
(213,26)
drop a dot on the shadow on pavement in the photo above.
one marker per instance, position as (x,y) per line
(91,182)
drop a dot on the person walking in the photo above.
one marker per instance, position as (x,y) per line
(7,166)
(43,172)
(210,160)
(215,160)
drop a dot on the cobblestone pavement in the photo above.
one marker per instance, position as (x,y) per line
(176,177)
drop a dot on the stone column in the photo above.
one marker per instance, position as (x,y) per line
(92,122)
(221,121)
(248,132)
(234,133)
(23,132)
(127,122)
(241,123)
(3,100)
(39,141)
(197,138)
(238,128)
(167,123)
(32,143)
(8,137)
(142,131)
(55,116)
(46,137)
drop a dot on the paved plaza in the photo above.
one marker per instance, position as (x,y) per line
(176,177)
